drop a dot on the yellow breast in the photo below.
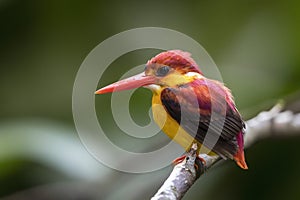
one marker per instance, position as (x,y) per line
(170,127)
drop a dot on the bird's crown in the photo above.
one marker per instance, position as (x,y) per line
(176,59)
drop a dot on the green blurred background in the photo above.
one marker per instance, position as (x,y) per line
(255,44)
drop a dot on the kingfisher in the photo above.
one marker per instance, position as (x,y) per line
(188,107)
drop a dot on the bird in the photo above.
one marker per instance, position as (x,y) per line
(189,107)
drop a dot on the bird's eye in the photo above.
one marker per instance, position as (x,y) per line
(162,71)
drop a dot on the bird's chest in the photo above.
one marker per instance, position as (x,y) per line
(168,125)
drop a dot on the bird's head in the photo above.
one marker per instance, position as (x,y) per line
(167,69)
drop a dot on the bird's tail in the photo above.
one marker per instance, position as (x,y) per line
(239,157)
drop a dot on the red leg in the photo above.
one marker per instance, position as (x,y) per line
(179,159)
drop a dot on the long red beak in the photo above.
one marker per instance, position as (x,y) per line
(136,81)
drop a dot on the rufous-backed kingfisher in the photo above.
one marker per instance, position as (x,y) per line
(183,101)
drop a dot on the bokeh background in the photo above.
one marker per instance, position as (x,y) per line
(255,44)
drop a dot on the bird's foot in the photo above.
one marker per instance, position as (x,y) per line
(199,162)
(179,160)
(202,160)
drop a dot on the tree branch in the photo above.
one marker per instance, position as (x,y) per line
(265,125)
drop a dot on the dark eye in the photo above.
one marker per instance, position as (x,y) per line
(162,71)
